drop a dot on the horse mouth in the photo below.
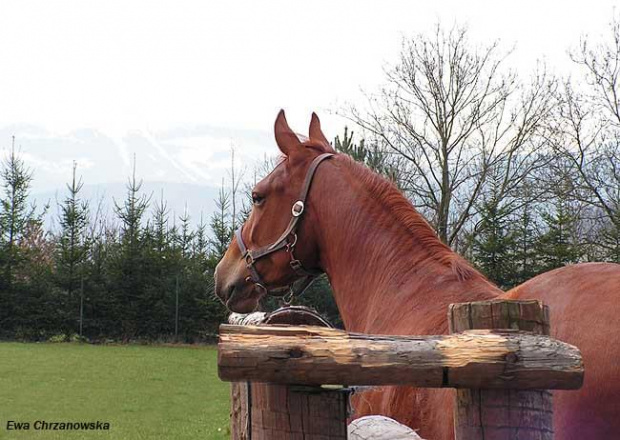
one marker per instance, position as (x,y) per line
(239,302)
(231,297)
(245,298)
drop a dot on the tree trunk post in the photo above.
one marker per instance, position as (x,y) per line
(502,413)
(287,412)
(263,411)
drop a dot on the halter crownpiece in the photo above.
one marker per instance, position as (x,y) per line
(286,241)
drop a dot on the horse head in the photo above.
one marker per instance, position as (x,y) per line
(276,245)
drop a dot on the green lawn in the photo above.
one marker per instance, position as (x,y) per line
(143,392)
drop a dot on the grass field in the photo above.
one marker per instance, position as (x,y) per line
(143,392)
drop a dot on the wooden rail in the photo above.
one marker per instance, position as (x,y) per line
(472,359)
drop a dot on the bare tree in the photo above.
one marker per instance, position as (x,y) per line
(587,127)
(586,133)
(456,115)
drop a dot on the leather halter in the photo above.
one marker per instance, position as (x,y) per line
(287,241)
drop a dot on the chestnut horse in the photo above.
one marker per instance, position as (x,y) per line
(391,275)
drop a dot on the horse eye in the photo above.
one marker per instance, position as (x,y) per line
(257,199)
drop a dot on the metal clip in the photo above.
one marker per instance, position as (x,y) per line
(288,298)
(262,287)
(290,246)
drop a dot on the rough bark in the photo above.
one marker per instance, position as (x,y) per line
(502,413)
(473,359)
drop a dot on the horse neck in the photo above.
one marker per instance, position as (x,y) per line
(386,277)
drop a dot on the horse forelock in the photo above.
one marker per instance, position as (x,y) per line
(385,193)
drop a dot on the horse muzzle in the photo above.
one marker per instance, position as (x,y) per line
(235,292)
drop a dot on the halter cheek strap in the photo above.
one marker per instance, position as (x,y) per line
(287,240)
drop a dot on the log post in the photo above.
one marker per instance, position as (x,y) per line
(502,413)
(287,412)
(265,411)
(240,416)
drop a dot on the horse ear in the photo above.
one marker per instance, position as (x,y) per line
(317,135)
(285,138)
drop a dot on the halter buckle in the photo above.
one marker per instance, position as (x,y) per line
(296,265)
(249,259)
(298,208)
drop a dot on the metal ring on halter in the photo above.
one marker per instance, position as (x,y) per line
(298,208)
(260,286)
(292,245)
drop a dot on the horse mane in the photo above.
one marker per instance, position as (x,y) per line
(386,194)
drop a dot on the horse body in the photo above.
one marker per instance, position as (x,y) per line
(391,275)
(409,279)
(584,304)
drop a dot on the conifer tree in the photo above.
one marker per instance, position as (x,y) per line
(494,242)
(525,255)
(129,269)
(610,239)
(15,213)
(131,212)
(72,241)
(15,217)
(72,249)
(161,233)
(220,225)
(201,240)
(185,236)
(557,247)
(160,267)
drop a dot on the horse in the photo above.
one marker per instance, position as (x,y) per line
(392,275)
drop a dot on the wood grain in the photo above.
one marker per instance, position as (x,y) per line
(503,413)
(472,359)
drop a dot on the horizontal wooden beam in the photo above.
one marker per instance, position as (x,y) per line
(472,359)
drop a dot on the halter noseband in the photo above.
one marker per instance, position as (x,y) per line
(287,240)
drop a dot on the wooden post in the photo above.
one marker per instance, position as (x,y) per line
(264,411)
(240,417)
(287,412)
(502,413)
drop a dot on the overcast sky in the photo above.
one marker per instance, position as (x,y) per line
(152,68)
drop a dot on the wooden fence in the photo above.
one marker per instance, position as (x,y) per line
(290,382)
